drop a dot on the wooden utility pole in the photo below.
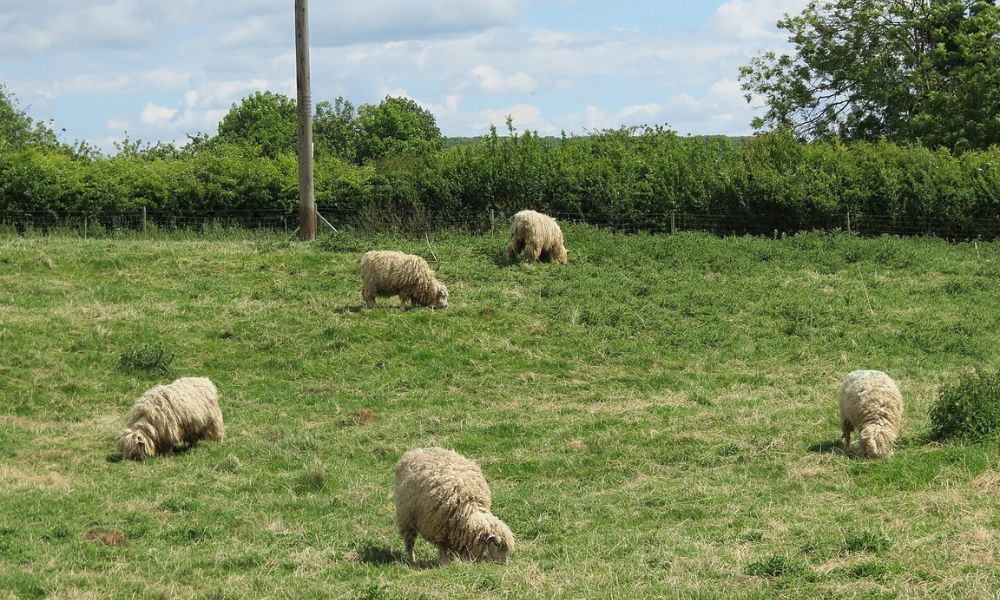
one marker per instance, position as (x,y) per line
(307,198)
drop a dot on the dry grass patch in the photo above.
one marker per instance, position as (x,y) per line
(18,478)
(988,481)
(108,538)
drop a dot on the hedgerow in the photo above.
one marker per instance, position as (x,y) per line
(625,176)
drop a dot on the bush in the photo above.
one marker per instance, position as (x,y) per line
(776,565)
(629,178)
(151,358)
(968,408)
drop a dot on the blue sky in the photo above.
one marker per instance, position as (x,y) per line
(162,70)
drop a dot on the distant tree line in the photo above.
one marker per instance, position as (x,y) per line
(389,158)
(888,109)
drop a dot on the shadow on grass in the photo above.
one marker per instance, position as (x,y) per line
(117,457)
(835,447)
(381,556)
(343,310)
(829,447)
(386,305)
(498,256)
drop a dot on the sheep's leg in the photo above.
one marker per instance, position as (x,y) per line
(514,248)
(847,428)
(404,299)
(532,252)
(444,555)
(409,540)
(369,296)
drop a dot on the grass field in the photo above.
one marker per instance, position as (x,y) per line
(656,419)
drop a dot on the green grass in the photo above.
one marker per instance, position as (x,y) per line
(658,418)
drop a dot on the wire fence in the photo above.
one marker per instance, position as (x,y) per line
(370,220)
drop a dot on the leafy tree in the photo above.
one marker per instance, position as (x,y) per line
(396,125)
(17,129)
(263,119)
(903,70)
(336,129)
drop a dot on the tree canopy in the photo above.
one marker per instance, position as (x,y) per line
(926,71)
(336,130)
(17,129)
(395,125)
(265,119)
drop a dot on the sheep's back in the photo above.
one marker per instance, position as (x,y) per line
(869,397)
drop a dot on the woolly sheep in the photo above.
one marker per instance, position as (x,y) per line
(538,236)
(390,273)
(871,403)
(186,410)
(444,497)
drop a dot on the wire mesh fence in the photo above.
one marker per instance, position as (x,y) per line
(419,221)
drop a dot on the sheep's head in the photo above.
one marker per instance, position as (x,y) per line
(876,441)
(441,299)
(135,443)
(562,255)
(495,541)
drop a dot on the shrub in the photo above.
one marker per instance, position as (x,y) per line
(775,565)
(867,541)
(312,478)
(151,358)
(968,408)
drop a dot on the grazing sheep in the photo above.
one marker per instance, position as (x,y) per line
(444,497)
(871,403)
(538,236)
(388,273)
(186,410)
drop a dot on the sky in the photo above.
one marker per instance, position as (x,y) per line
(162,70)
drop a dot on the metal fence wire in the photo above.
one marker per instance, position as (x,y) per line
(420,221)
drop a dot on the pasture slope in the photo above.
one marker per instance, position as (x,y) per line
(658,418)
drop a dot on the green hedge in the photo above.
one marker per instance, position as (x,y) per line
(625,177)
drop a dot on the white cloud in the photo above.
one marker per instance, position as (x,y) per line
(492,80)
(756,19)
(682,102)
(343,22)
(155,114)
(641,111)
(464,58)
(116,125)
(596,118)
(525,116)
(721,109)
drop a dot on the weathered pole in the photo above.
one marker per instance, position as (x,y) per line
(307,198)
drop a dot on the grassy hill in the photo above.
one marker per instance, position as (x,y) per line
(656,419)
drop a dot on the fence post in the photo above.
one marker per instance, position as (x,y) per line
(84,226)
(848,222)
(144,219)
(492,220)
(673,222)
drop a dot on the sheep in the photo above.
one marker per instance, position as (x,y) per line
(538,236)
(871,403)
(444,497)
(186,410)
(388,273)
